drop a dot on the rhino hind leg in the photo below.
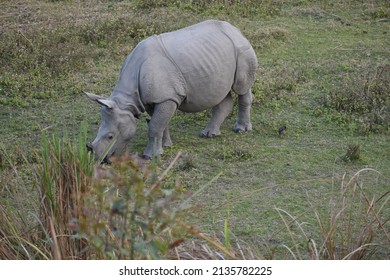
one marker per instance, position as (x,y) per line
(158,134)
(218,115)
(243,122)
(245,77)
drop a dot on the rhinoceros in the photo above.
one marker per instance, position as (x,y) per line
(190,69)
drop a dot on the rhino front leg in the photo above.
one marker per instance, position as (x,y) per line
(158,134)
(166,139)
(218,115)
(243,122)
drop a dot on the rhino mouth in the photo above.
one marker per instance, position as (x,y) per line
(106,159)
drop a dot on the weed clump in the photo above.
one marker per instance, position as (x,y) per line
(363,97)
(353,153)
(187,162)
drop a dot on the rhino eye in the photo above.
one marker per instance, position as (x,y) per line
(110,137)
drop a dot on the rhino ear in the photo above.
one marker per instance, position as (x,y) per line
(93,97)
(101,100)
(109,104)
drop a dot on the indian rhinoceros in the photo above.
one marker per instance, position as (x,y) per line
(190,69)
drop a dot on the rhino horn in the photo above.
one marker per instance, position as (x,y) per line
(101,100)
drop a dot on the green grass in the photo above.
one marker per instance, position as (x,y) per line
(308,51)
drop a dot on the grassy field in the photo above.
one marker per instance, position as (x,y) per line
(324,72)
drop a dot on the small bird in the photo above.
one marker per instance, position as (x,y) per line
(282,130)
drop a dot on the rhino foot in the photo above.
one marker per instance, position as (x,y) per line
(146,157)
(167,143)
(209,133)
(166,139)
(240,128)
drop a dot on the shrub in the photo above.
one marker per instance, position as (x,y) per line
(129,214)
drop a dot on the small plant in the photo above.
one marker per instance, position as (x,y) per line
(188,162)
(353,153)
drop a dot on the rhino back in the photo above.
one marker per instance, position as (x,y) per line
(206,55)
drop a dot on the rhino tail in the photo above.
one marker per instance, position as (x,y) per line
(245,70)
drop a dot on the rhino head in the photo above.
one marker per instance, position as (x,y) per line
(117,128)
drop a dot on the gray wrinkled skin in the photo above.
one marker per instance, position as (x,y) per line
(191,69)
